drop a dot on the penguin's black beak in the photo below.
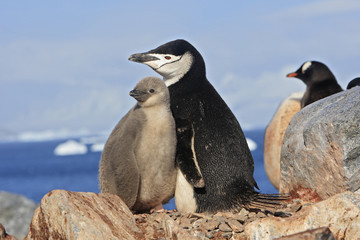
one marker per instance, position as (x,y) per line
(142,57)
(138,95)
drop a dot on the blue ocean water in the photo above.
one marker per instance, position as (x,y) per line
(31,168)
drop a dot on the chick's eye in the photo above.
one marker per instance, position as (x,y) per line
(167,57)
(152,90)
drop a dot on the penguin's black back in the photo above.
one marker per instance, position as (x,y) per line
(353,83)
(221,149)
(320,90)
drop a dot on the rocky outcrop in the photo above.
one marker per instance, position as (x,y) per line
(274,135)
(75,215)
(320,155)
(340,213)
(4,235)
(322,233)
(16,212)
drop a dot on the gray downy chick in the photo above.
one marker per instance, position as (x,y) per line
(138,161)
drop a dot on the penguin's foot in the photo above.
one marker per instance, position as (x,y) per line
(158,208)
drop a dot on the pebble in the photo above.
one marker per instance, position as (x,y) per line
(198,222)
(241,219)
(228,215)
(220,219)
(222,225)
(243,212)
(199,235)
(209,235)
(252,214)
(260,215)
(186,223)
(211,225)
(227,235)
(235,225)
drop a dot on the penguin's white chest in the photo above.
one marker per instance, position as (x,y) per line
(184,195)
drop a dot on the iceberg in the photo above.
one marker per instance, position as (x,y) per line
(97,147)
(252,144)
(70,147)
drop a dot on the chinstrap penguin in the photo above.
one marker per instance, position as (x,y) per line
(319,80)
(353,83)
(216,166)
(138,161)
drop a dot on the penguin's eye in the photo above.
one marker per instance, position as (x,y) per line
(167,57)
(152,90)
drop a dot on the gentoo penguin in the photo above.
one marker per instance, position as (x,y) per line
(216,166)
(319,80)
(138,161)
(353,83)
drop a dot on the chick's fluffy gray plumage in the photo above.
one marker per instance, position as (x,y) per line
(138,161)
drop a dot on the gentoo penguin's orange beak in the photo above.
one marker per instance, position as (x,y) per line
(294,74)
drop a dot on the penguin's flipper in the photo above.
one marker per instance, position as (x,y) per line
(128,179)
(185,157)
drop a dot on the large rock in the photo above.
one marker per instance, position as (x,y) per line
(16,212)
(4,235)
(322,233)
(274,135)
(75,215)
(341,213)
(320,155)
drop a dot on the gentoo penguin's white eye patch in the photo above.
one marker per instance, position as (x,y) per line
(305,66)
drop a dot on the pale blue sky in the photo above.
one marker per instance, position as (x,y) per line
(63,64)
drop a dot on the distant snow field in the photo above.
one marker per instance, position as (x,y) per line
(86,142)
(72,147)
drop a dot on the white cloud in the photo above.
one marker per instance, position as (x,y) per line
(96,109)
(66,62)
(254,100)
